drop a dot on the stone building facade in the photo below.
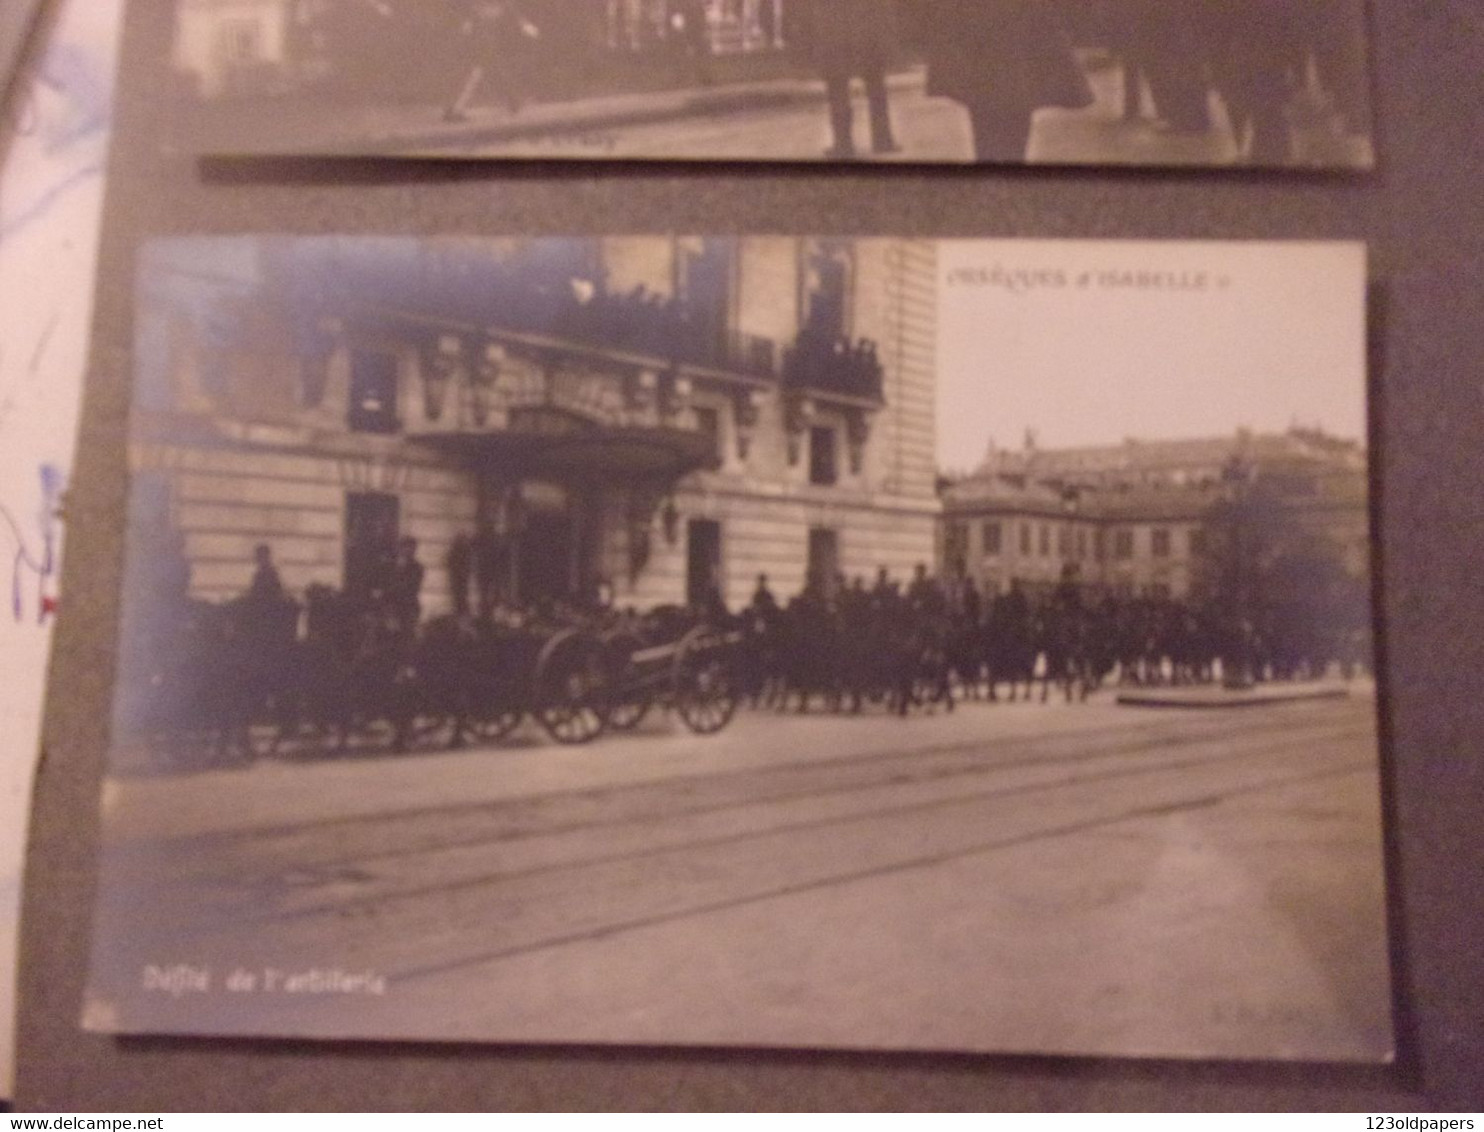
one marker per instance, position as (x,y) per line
(1135,518)
(659,419)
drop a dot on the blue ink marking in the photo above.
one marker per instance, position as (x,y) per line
(44,565)
(50,197)
(73,72)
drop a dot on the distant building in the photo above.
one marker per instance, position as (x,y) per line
(1135,518)
(661,419)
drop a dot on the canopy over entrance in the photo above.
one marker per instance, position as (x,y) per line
(551,444)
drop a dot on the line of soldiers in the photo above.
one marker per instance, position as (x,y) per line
(848,644)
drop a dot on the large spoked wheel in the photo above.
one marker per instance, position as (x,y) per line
(706,688)
(573,678)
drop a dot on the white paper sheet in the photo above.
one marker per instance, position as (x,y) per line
(51,190)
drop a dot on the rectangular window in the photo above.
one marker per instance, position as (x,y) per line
(705,285)
(1100,544)
(823,466)
(1064,541)
(1025,540)
(990,537)
(373,391)
(827,268)
(1197,542)
(1081,544)
(1123,543)
(1159,544)
(708,424)
(1045,541)
(371,519)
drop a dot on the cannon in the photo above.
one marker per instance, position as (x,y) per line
(588,681)
(354,682)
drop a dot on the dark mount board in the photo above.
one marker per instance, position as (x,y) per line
(1419,214)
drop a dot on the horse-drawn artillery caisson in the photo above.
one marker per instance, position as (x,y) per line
(578,679)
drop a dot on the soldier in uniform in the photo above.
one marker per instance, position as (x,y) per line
(404,587)
(764,604)
(460,565)
(1001,60)
(266,588)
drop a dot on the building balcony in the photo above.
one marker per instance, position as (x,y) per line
(660,328)
(834,368)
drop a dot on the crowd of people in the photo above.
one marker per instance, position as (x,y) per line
(839,644)
(820,359)
(847,643)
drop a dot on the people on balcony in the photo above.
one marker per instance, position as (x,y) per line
(833,364)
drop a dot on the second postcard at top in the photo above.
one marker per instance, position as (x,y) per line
(1269,83)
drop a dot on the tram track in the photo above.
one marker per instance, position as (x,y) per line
(424,928)
(347,841)
(647,834)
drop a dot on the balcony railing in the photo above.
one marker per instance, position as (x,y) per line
(572,311)
(645,323)
(822,363)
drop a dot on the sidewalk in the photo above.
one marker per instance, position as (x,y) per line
(1218,696)
(276,792)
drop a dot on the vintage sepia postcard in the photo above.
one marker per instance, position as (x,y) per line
(1267,83)
(749,641)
